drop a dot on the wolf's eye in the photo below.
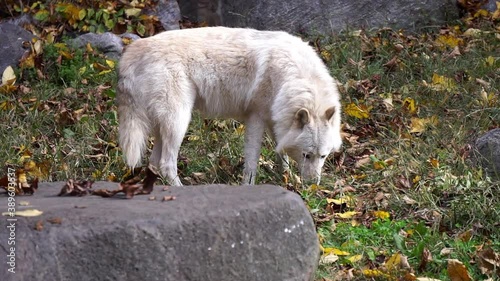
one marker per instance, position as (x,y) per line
(306,155)
(323,156)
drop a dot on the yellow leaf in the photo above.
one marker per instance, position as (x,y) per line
(82,70)
(359,111)
(373,273)
(50,38)
(193,138)
(110,63)
(381,214)
(442,83)
(481,13)
(416,179)
(448,40)
(410,105)
(8,76)
(346,215)
(434,162)
(335,251)
(457,271)
(89,48)
(81,14)
(38,47)
(490,61)
(496,13)
(339,201)
(394,262)
(355,258)
(314,187)
(104,72)
(240,130)
(24,213)
(325,55)
(6,105)
(132,12)
(418,125)
(65,54)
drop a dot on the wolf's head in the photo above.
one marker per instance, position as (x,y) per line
(311,138)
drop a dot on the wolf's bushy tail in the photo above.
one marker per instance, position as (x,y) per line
(133,129)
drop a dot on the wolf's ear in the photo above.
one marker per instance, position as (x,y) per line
(302,117)
(329,113)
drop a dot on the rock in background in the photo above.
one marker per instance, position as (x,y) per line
(14,43)
(487,152)
(110,44)
(320,16)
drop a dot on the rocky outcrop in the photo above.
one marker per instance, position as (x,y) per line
(320,16)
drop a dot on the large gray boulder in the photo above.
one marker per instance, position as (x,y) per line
(320,16)
(487,152)
(12,48)
(207,233)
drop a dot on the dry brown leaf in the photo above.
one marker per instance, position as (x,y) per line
(425,259)
(465,236)
(168,198)
(39,225)
(457,271)
(56,220)
(489,261)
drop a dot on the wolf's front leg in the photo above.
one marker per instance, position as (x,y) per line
(282,161)
(253,140)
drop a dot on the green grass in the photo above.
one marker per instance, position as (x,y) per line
(63,120)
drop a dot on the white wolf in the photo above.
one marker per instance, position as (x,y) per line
(269,80)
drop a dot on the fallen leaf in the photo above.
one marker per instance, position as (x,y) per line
(410,106)
(381,214)
(24,213)
(340,201)
(355,258)
(55,220)
(359,111)
(39,225)
(425,259)
(375,273)
(335,251)
(408,200)
(448,40)
(489,262)
(393,263)
(24,203)
(419,125)
(79,188)
(446,251)
(8,76)
(465,236)
(457,271)
(442,83)
(168,198)
(346,215)
(328,259)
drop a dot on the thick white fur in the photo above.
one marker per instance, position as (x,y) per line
(270,80)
